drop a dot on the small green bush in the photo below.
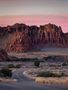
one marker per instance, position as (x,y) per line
(14,66)
(64,64)
(18,66)
(11,66)
(49,74)
(5,72)
(37,63)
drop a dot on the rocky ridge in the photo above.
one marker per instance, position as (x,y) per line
(21,37)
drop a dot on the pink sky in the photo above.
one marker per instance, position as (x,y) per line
(34,12)
(35,20)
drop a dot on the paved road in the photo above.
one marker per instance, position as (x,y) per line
(27,84)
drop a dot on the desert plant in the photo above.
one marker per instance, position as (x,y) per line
(36,63)
(11,66)
(64,64)
(18,66)
(6,72)
(49,74)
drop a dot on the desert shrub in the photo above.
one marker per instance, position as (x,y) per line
(11,66)
(36,63)
(18,66)
(5,72)
(64,64)
(49,74)
(27,59)
(14,66)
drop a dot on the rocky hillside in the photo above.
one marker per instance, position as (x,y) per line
(21,37)
(3,55)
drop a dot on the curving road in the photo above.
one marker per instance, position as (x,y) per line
(27,84)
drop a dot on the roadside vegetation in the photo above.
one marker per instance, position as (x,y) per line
(5,72)
(22,59)
(65,64)
(36,63)
(49,74)
(14,66)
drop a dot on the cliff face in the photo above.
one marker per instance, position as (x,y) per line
(19,42)
(20,37)
(52,34)
(3,55)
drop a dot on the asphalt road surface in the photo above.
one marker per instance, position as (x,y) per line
(27,84)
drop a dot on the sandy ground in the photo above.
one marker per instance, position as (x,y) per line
(62,81)
(42,53)
(7,80)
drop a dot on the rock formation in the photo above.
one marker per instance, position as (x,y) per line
(3,55)
(21,37)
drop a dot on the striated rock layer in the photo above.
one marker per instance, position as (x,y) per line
(21,37)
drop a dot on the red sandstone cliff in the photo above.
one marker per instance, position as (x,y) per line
(21,37)
(3,55)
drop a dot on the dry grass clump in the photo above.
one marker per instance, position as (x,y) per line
(52,80)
